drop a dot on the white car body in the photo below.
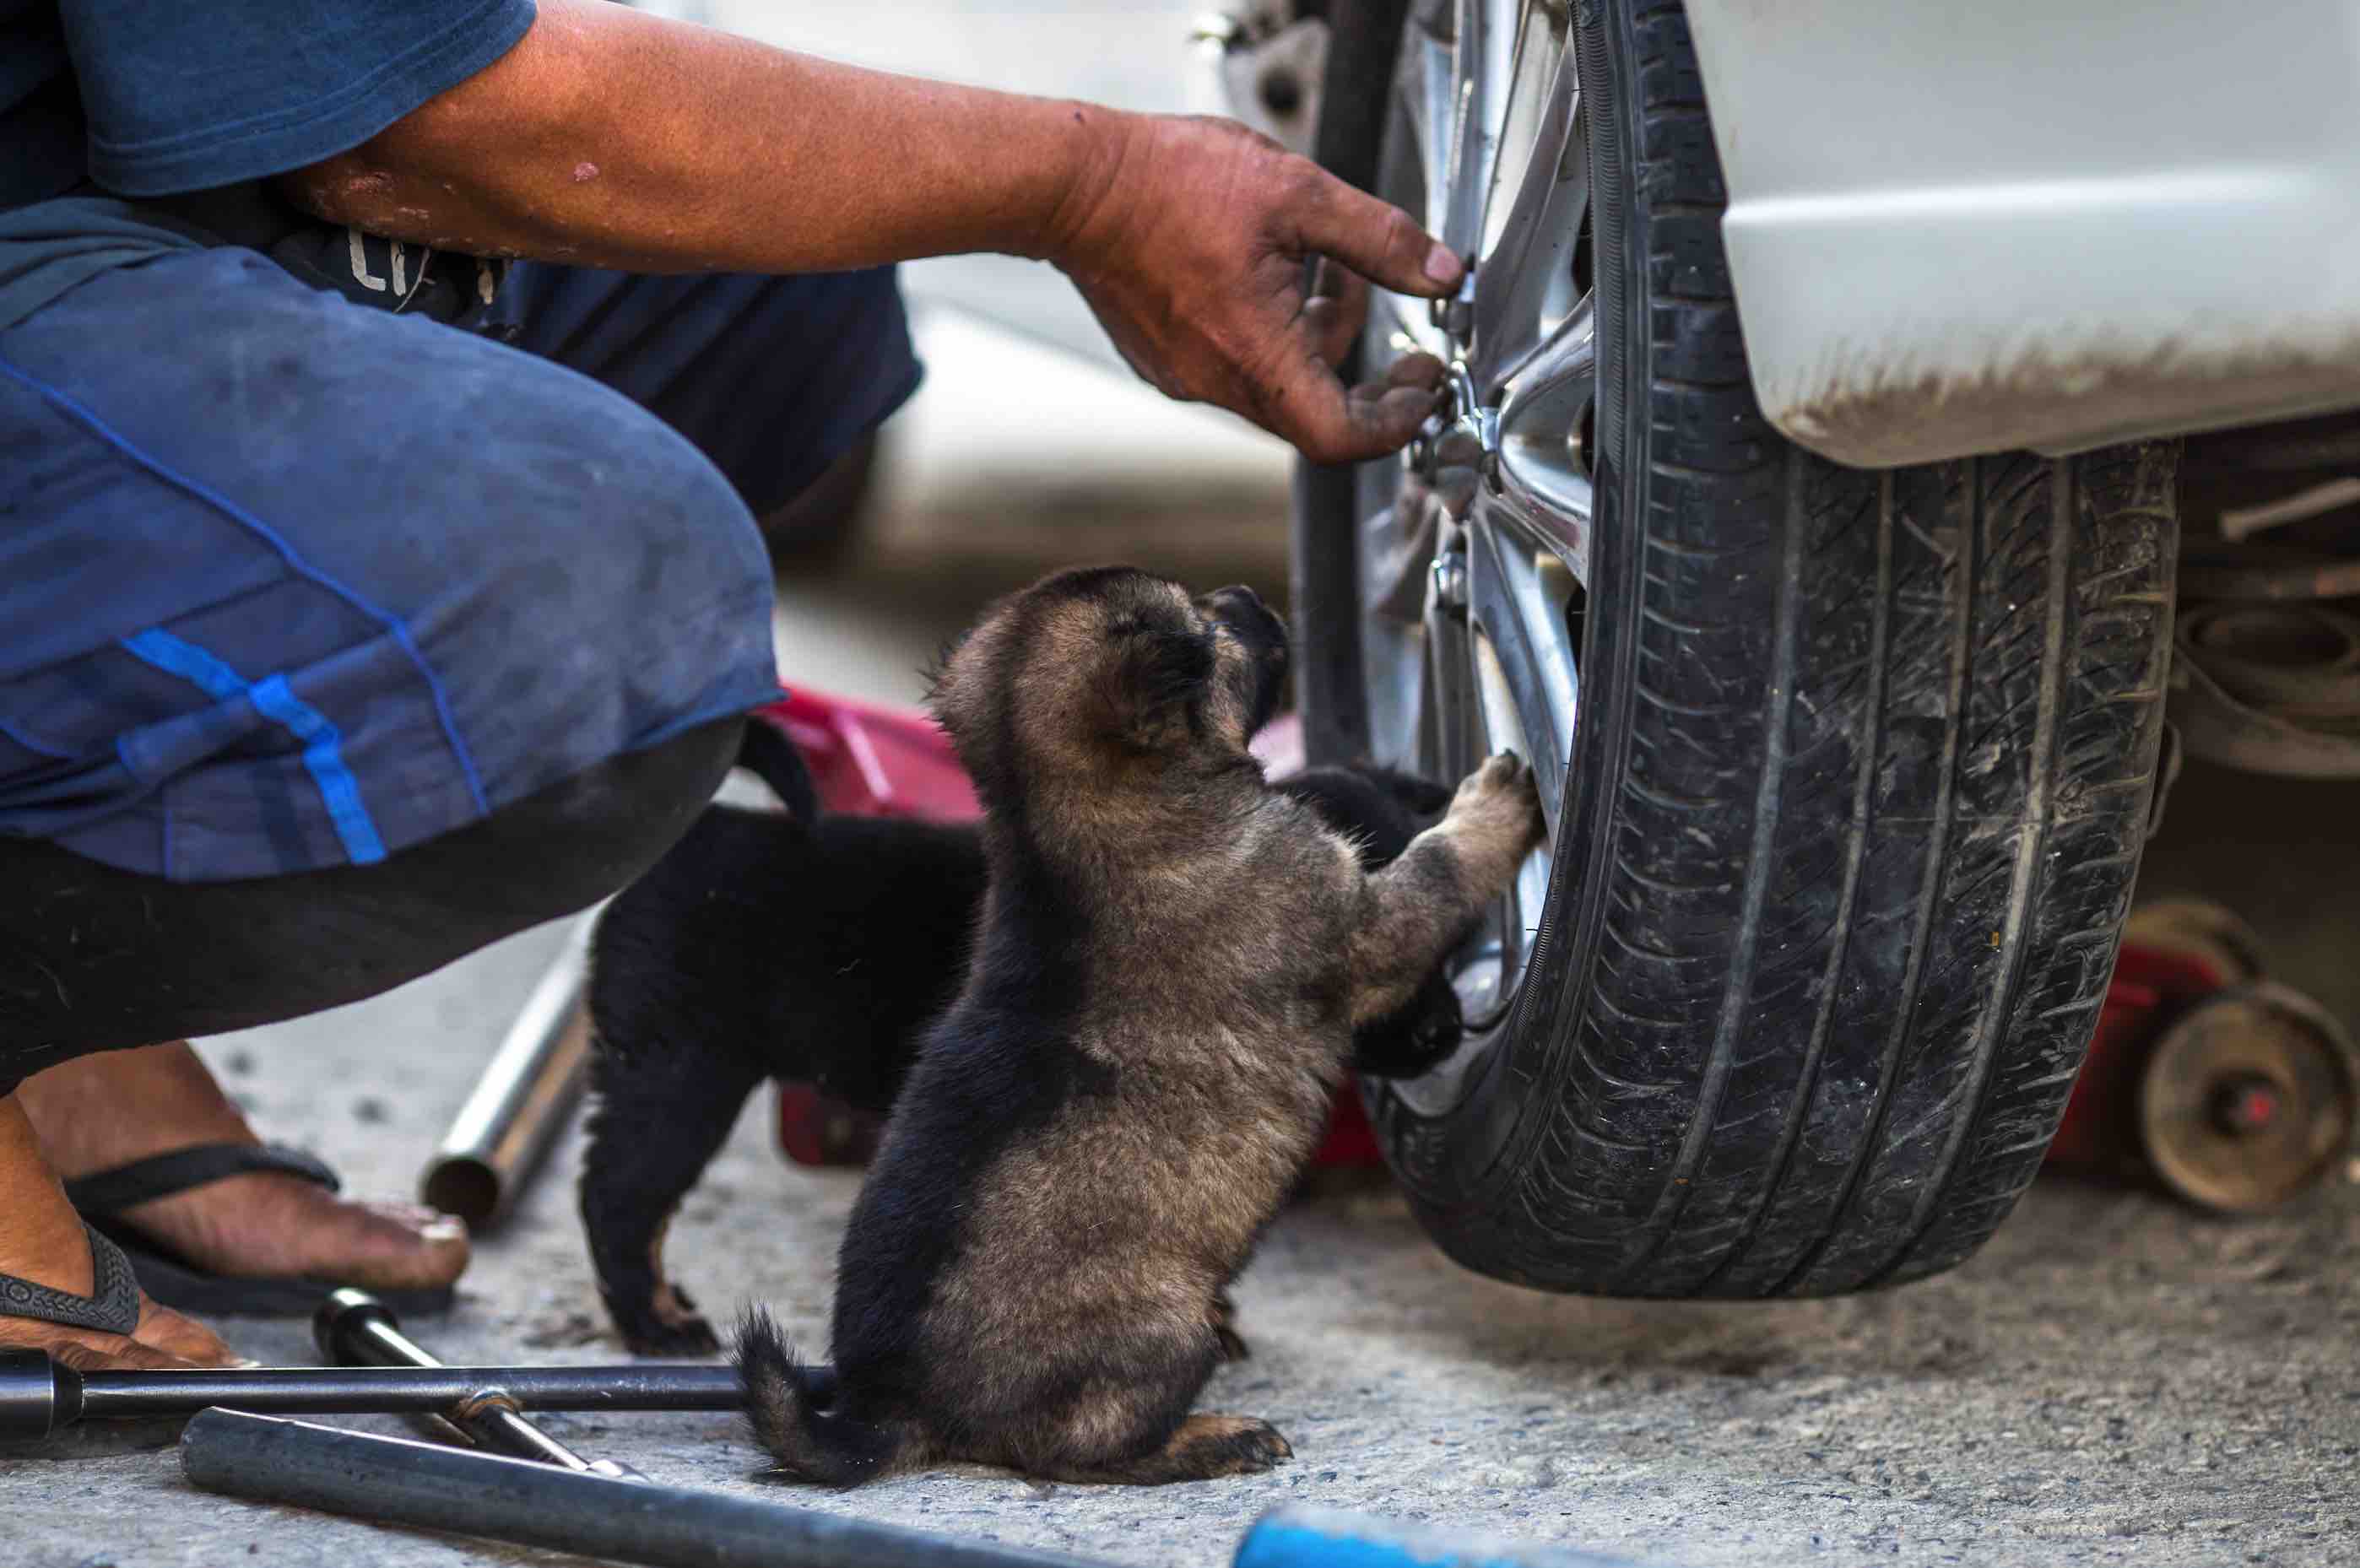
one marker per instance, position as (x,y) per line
(2035,222)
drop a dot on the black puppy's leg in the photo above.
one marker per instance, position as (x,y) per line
(663,1112)
(1415,1040)
(1425,902)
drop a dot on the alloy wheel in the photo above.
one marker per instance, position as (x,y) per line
(1474,546)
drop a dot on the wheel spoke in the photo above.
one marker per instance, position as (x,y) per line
(1483,53)
(1543,463)
(1566,354)
(1523,283)
(1447,710)
(1396,553)
(1518,596)
(1509,926)
(1429,96)
(1416,173)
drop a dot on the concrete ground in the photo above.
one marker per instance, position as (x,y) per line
(2111,1380)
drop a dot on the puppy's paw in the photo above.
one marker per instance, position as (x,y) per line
(1503,784)
(653,1336)
(1233,1445)
(1497,810)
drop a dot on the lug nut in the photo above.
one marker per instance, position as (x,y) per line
(1420,451)
(1456,315)
(1450,581)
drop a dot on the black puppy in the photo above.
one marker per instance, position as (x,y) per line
(815,949)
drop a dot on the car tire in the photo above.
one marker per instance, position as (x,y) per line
(1864,766)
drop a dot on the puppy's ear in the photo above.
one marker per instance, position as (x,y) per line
(1148,690)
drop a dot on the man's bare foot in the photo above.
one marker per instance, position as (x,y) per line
(42,1240)
(114,1106)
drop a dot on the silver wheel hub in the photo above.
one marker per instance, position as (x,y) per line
(1475,545)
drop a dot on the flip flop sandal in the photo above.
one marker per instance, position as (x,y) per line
(181,1284)
(112,1307)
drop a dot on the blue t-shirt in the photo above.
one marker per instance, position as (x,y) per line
(103,99)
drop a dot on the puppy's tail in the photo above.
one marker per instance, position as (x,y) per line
(769,755)
(796,1413)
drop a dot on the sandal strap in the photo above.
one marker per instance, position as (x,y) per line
(112,1306)
(162,1175)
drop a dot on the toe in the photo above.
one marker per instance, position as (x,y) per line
(120,1355)
(183,1339)
(162,1340)
(1265,1447)
(265,1224)
(393,1246)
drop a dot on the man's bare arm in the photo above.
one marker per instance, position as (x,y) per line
(623,139)
(616,138)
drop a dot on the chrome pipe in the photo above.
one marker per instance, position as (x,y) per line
(499,1137)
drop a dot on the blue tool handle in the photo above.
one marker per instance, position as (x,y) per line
(1300,1537)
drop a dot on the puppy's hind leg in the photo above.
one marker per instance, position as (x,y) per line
(1425,902)
(661,1116)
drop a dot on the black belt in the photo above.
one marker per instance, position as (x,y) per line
(369,269)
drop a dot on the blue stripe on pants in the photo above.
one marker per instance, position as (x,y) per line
(275,700)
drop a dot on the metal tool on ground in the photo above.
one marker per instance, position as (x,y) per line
(2237,1092)
(352,1328)
(39,1396)
(499,1136)
(392,1480)
(1300,1537)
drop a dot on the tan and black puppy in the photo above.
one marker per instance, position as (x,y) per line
(1169,966)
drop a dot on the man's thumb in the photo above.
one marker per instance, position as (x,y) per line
(1375,239)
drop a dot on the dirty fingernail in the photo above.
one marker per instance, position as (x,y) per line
(1441,265)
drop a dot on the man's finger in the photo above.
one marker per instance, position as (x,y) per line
(1373,238)
(1419,370)
(1389,419)
(1310,407)
(1334,315)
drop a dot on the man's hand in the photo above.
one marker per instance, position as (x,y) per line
(1194,250)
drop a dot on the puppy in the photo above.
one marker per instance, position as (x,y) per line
(1171,960)
(815,950)
(808,948)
